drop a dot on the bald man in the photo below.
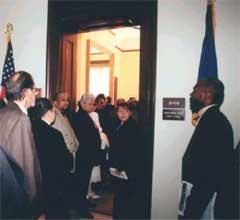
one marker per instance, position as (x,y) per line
(207,164)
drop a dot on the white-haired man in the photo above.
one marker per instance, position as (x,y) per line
(89,149)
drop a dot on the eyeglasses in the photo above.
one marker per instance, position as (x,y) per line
(35,91)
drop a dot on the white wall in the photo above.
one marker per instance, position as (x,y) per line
(181,28)
(29,19)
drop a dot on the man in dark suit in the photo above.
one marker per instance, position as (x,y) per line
(15,130)
(237,181)
(207,165)
(88,153)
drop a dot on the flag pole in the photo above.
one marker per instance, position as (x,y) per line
(212,3)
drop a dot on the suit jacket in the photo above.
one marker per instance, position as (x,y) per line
(125,148)
(55,159)
(17,139)
(208,165)
(237,182)
(14,200)
(88,137)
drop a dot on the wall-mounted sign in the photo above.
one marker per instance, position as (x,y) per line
(173,102)
(173,109)
(173,114)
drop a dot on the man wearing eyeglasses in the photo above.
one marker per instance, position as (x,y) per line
(62,123)
(16,134)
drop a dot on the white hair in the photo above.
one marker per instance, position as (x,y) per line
(85,97)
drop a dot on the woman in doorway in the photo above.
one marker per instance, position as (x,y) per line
(124,162)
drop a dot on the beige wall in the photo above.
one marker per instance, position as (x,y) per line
(126,64)
(128,78)
(104,38)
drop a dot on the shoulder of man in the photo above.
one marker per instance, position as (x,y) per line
(215,117)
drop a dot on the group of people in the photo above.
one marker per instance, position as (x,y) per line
(48,154)
(53,151)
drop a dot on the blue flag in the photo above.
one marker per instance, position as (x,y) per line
(208,63)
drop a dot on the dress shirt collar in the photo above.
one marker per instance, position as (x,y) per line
(46,122)
(203,110)
(23,109)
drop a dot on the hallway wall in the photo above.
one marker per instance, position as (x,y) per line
(181,28)
(29,37)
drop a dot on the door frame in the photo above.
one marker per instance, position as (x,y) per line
(63,17)
(90,43)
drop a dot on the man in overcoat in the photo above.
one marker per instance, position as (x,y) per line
(16,135)
(88,153)
(207,165)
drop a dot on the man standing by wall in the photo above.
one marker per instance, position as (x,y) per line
(15,130)
(207,166)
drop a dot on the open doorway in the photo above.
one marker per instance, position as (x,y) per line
(108,62)
(65,18)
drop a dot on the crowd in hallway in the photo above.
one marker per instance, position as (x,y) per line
(50,155)
(55,153)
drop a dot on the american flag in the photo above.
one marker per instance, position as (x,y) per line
(8,68)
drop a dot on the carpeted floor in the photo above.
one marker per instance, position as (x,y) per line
(104,204)
(99,216)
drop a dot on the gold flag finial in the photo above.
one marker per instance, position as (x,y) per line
(9,30)
(210,2)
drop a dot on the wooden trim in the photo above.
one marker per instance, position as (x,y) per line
(100,62)
(87,64)
(95,54)
(136,50)
(111,80)
(115,94)
(54,53)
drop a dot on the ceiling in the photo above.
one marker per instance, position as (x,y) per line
(126,39)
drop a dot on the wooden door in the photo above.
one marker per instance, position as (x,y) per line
(69,67)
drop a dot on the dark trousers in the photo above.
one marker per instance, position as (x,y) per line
(55,201)
(104,166)
(82,181)
(56,207)
(125,199)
